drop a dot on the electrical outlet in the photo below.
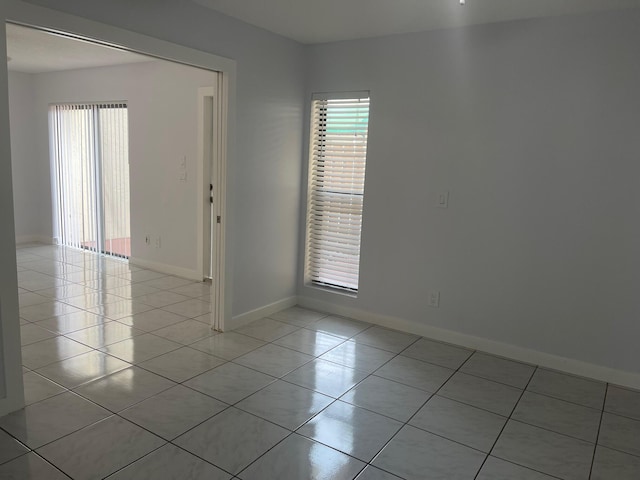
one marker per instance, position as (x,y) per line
(182,169)
(434,299)
(147,240)
(158,244)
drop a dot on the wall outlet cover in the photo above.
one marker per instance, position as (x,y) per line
(434,299)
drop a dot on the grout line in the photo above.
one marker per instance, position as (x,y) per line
(405,424)
(111,415)
(263,454)
(529,468)
(615,414)
(515,405)
(314,357)
(616,449)
(109,475)
(551,431)
(595,447)
(50,463)
(34,450)
(292,432)
(548,395)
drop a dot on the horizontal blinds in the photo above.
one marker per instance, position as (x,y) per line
(338,154)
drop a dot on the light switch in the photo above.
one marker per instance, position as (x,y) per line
(443,199)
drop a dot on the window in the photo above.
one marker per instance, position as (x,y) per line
(90,168)
(337,160)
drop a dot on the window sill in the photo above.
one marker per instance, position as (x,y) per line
(334,290)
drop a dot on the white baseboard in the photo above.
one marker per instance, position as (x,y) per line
(258,313)
(22,239)
(534,357)
(168,269)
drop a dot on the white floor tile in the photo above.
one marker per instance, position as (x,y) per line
(246,438)
(79,302)
(174,411)
(100,449)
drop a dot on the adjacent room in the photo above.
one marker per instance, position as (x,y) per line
(320,240)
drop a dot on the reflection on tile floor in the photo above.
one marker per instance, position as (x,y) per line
(124,380)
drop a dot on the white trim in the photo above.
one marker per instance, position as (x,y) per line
(336,190)
(204,177)
(220,173)
(11,389)
(258,313)
(22,239)
(212,168)
(168,269)
(534,357)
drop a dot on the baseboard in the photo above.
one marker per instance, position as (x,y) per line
(168,269)
(534,357)
(22,239)
(258,313)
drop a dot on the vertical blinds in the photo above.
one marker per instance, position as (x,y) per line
(338,153)
(89,149)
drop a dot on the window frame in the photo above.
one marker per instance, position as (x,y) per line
(313,253)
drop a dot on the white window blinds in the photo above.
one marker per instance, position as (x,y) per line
(90,167)
(337,160)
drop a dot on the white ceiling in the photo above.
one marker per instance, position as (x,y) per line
(34,51)
(318,21)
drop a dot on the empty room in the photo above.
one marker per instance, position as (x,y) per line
(265,239)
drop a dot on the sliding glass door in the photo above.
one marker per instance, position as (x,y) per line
(90,168)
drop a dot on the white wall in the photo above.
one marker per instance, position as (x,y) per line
(25,162)
(264,179)
(11,393)
(533,128)
(162,101)
(266,95)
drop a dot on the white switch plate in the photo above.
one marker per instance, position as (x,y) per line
(443,199)
(434,299)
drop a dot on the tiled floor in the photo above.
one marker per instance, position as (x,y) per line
(124,379)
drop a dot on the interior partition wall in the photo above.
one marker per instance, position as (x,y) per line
(90,166)
(45,19)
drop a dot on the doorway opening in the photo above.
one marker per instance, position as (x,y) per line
(90,177)
(95,205)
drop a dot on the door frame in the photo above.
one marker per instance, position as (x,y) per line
(53,21)
(212,169)
(206,161)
